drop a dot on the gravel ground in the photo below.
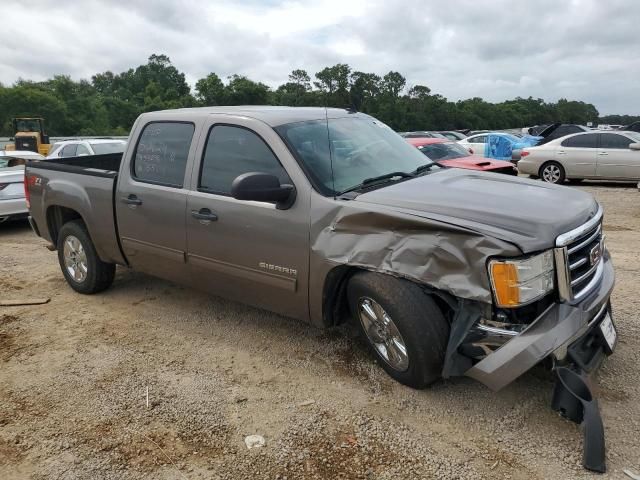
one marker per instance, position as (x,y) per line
(74,375)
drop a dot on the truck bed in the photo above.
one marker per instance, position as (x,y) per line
(84,185)
(96,165)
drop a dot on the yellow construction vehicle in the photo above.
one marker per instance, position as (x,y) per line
(29,135)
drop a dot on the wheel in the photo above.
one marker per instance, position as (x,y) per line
(402,325)
(80,264)
(552,172)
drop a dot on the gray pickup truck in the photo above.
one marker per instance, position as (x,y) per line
(327,215)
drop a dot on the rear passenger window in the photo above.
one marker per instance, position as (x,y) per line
(161,153)
(232,151)
(612,140)
(589,140)
(480,139)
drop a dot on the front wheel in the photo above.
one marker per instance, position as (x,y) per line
(403,326)
(80,264)
(552,172)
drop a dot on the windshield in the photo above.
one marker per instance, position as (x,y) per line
(634,135)
(444,151)
(27,125)
(104,148)
(341,153)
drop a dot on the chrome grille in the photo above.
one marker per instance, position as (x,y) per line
(578,257)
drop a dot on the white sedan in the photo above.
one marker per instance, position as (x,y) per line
(12,200)
(78,148)
(588,155)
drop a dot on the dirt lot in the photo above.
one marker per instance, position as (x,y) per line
(74,375)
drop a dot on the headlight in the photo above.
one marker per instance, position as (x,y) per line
(517,282)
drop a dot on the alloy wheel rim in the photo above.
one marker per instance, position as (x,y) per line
(383,334)
(75,259)
(551,174)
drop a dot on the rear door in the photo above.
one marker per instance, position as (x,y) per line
(477,144)
(577,154)
(151,199)
(616,159)
(248,251)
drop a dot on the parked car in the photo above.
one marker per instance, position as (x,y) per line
(421,134)
(99,146)
(498,145)
(6,155)
(559,130)
(453,135)
(452,154)
(633,127)
(12,200)
(590,155)
(442,270)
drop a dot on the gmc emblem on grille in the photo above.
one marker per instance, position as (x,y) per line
(595,254)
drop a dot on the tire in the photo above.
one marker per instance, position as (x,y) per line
(552,172)
(416,317)
(79,262)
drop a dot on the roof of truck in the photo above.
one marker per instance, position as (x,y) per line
(271,115)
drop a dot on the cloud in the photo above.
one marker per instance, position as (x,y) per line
(581,49)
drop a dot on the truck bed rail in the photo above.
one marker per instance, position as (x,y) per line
(106,165)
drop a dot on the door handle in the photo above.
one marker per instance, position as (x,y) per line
(204,214)
(131,200)
(562,152)
(603,153)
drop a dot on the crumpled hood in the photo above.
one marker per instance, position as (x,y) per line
(527,213)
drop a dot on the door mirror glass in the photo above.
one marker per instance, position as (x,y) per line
(263,187)
(634,146)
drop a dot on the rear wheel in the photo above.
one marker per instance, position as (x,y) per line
(403,326)
(552,172)
(80,264)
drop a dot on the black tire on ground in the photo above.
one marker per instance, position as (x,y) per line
(416,315)
(548,168)
(99,275)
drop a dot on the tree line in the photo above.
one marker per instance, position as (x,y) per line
(109,103)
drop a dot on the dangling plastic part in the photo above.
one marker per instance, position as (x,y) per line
(572,397)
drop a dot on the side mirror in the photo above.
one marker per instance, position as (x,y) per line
(634,146)
(263,187)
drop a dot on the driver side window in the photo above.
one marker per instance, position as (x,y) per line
(232,151)
(69,150)
(82,150)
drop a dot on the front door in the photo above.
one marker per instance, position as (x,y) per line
(151,200)
(245,250)
(616,159)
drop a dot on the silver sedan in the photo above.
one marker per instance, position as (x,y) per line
(586,155)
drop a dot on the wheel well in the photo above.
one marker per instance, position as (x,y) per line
(56,217)
(335,306)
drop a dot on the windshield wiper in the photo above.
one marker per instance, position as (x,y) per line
(424,168)
(373,180)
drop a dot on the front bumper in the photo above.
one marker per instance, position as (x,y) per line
(552,333)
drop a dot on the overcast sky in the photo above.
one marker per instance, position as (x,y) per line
(496,49)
